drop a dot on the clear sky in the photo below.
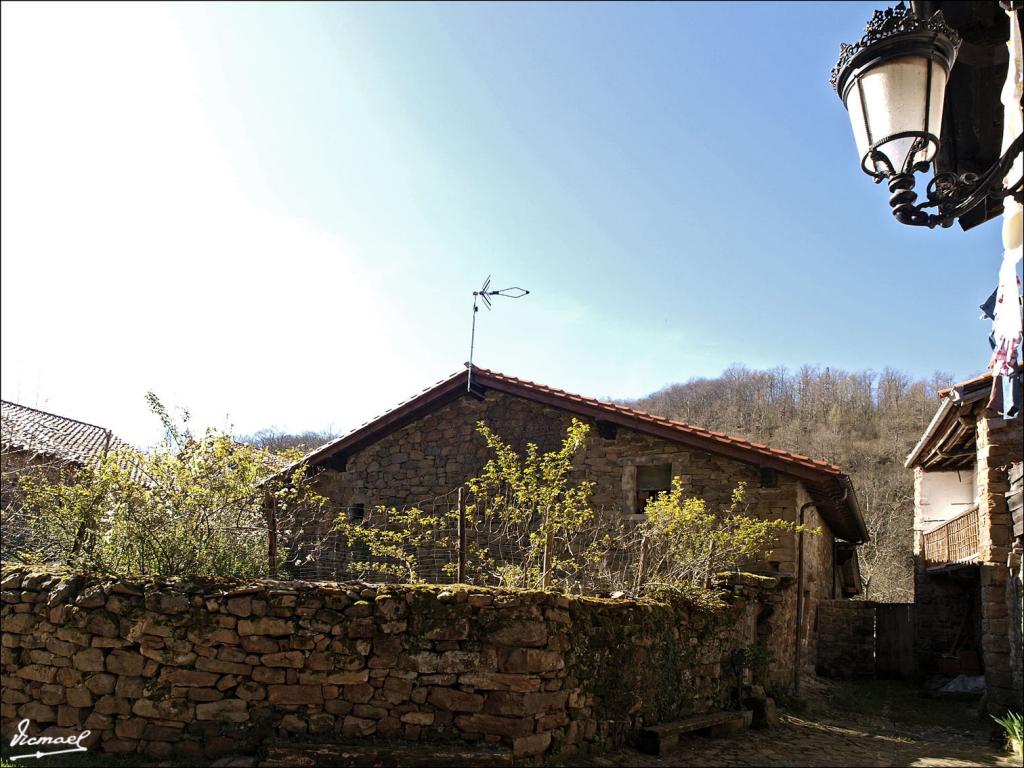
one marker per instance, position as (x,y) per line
(276,214)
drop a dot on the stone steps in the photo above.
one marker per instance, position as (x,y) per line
(662,739)
(290,755)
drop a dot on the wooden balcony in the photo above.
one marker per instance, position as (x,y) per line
(955,542)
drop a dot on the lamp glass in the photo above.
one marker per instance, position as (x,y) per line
(892,97)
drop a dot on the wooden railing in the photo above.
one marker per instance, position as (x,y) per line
(955,541)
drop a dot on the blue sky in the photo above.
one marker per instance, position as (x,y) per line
(276,214)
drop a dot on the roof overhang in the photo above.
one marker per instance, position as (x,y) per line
(949,441)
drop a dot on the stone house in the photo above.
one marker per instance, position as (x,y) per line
(42,443)
(429,445)
(968,539)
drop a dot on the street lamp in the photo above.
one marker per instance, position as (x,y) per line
(893,83)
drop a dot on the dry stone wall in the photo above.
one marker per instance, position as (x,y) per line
(205,669)
(846,638)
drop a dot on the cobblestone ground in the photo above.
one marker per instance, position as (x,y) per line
(868,724)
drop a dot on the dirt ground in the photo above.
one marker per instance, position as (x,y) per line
(869,723)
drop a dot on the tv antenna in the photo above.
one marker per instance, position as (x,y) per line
(484,295)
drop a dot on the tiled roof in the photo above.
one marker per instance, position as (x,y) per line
(950,439)
(977,382)
(827,483)
(981,381)
(47,434)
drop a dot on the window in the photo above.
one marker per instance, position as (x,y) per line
(357,513)
(651,480)
(358,551)
(769,478)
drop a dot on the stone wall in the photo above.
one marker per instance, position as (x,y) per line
(204,669)
(818,580)
(442,449)
(1015,614)
(999,446)
(947,615)
(846,639)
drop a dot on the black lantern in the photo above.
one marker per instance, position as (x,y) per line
(893,83)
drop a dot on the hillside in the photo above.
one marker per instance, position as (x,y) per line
(866,422)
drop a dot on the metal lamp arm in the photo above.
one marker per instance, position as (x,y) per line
(953,195)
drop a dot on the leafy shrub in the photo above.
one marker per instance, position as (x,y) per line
(1013,724)
(682,540)
(195,506)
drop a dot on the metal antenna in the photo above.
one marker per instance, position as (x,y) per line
(484,295)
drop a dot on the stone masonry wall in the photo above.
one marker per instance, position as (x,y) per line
(1015,614)
(846,639)
(942,601)
(999,446)
(205,669)
(819,577)
(442,449)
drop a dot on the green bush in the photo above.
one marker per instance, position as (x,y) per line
(195,506)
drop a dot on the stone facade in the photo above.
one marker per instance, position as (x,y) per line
(819,580)
(947,615)
(999,446)
(972,607)
(846,630)
(442,450)
(203,669)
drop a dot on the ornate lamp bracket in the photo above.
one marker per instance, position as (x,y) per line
(951,195)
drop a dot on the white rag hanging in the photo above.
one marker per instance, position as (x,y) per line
(1007,325)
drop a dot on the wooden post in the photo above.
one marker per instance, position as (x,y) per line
(549,547)
(270,506)
(462,539)
(640,566)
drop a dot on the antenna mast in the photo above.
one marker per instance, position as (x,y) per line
(484,294)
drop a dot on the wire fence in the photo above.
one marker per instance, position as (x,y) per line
(452,539)
(422,543)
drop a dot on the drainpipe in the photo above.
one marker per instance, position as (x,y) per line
(799,597)
(834,551)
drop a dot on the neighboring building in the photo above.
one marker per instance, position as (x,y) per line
(429,445)
(968,542)
(44,444)
(46,437)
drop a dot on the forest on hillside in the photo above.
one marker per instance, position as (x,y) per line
(865,421)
